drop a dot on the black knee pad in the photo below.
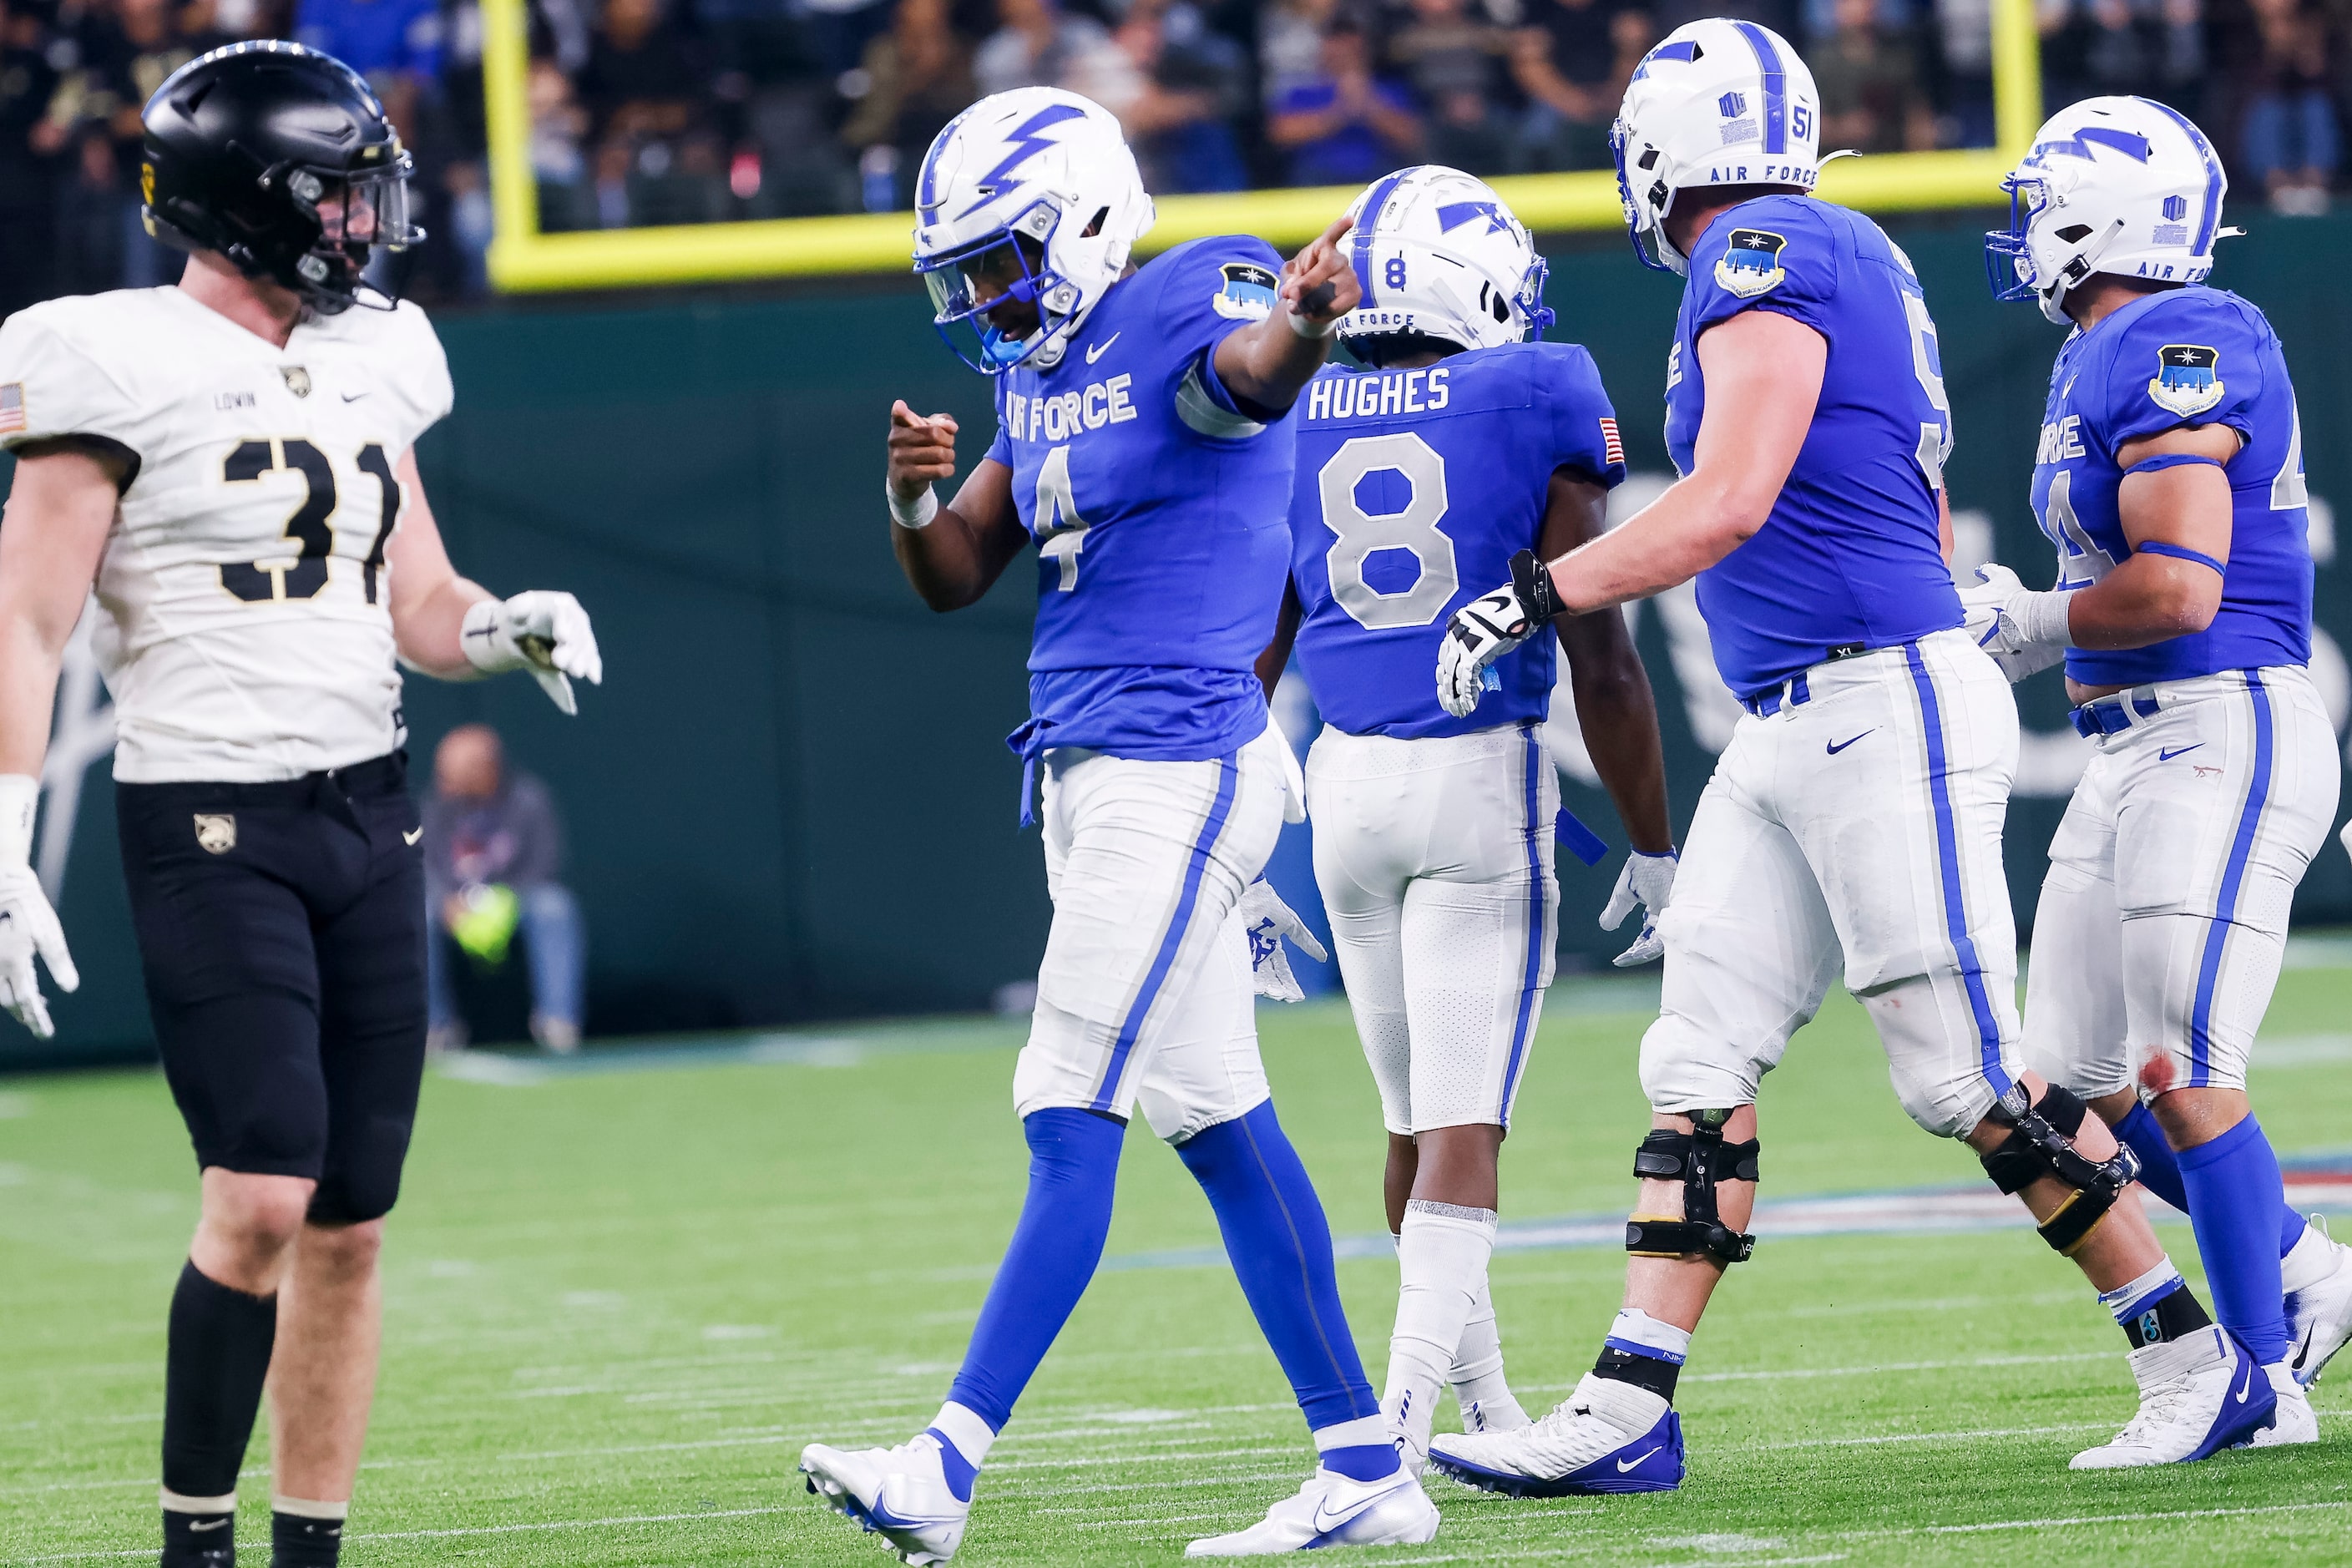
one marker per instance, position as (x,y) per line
(2040,1142)
(1698,1159)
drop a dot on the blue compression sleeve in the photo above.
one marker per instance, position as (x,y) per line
(1073,1172)
(1280,1245)
(2234,1202)
(2159,1171)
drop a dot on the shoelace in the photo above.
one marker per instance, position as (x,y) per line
(2156,1407)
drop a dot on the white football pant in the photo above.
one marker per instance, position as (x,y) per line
(1856,827)
(1435,860)
(1145,993)
(2164,914)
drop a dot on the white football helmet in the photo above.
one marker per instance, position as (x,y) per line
(1718,103)
(1439,256)
(2122,186)
(1046,166)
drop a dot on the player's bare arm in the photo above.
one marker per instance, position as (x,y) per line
(2151,597)
(1615,708)
(1266,363)
(955,552)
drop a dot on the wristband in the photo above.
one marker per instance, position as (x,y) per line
(1314,332)
(2042,618)
(1531,581)
(20,797)
(917,513)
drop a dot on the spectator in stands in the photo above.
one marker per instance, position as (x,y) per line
(1566,61)
(493,852)
(918,78)
(558,125)
(1872,100)
(1963,33)
(1186,83)
(1038,44)
(1344,125)
(27,193)
(1290,46)
(641,82)
(2289,136)
(395,44)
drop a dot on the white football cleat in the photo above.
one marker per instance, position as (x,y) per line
(2319,1306)
(902,1494)
(2198,1396)
(1607,1436)
(2295,1422)
(1331,1510)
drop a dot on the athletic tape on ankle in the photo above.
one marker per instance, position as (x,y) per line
(175,1503)
(303,1507)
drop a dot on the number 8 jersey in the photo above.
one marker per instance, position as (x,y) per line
(243,624)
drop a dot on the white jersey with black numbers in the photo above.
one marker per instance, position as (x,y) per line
(244,628)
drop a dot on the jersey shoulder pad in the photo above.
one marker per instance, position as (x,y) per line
(1214,285)
(72,366)
(2189,356)
(1775,250)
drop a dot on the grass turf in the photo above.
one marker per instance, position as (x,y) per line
(617,1303)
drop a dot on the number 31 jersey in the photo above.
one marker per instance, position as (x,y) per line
(1415,488)
(243,624)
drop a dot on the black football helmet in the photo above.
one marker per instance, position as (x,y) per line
(280,159)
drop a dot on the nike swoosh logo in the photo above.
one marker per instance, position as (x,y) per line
(354,396)
(2166,756)
(1625,1465)
(1103,347)
(2247,1387)
(1837,746)
(1326,1521)
(198,1525)
(411,837)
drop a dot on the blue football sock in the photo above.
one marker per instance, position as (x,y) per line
(2234,1199)
(1280,1246)
(2159,1171)
(1073,1171)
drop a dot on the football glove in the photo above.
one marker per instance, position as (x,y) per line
(1647,880)
(2025,632)
(1485,630)
(545,633)
(1265,920)
(27,924)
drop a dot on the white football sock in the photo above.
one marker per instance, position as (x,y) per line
(1479,1388)
(1441,1255)
(2309,1261)
(966,1429)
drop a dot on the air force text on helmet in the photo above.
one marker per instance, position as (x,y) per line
(1761,174)
(1374,397)
(1068,414)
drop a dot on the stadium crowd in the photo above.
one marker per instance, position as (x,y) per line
(663,111)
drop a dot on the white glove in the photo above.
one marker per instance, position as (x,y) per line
(27,924)
(545,633)
(1485,630)
(1265,920)
(1647,880)
(2025,632)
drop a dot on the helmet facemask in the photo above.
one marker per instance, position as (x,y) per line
(356,214)
(968,284)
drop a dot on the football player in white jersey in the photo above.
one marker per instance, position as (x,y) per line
(227,463)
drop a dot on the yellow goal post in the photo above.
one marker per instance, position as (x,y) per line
(522,259)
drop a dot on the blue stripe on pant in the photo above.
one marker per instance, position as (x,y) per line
(2233,878)
(1171,940)
(1535,759)
(1947,852)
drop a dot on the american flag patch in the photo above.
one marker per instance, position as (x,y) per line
(12,407)
(1613,444)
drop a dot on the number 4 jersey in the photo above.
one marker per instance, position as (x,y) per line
(244,622)
(1415,488)
(2184,357)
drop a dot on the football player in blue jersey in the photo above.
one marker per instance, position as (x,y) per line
(2169,479)
(1144,448)
(1419,478)
(1853,822)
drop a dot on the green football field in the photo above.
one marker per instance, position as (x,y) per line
(620,1297)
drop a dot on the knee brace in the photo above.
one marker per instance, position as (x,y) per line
(1698,1159)
(2041,1144)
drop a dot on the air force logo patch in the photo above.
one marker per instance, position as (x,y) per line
(215,834)
(1246,293)
(1752,265)
(2186,381)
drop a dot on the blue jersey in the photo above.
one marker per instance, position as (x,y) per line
(1415,488)
(2183,357)
(1158,510)
(1851,555)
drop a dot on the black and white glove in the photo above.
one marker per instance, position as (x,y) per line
(1265,920)
(545,633)
(1485,630)
(2026,632)
(1647,880)
(27,924)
